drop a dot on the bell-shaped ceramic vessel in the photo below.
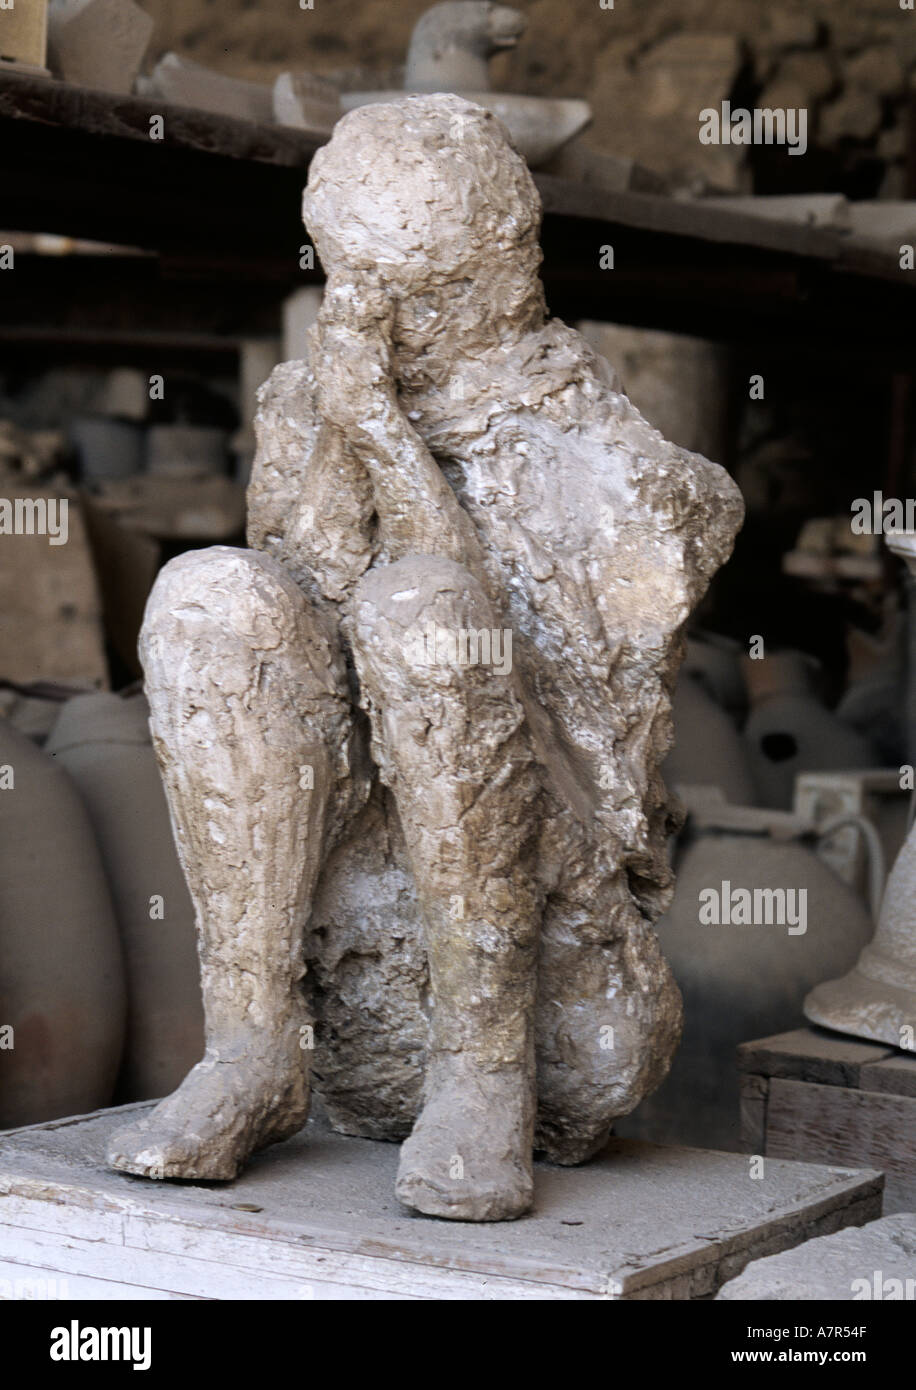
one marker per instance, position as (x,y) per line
(877,998)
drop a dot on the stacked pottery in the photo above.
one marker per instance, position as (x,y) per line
(107,448)
(741,979)
(103,741)
(875,697)
(62,993)
(790,731)
(186,451)
(716,663)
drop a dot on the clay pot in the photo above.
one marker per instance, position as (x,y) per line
(875,697)
(107,448)
(789,730)
(104,743)
(716,663)
(186,450)
(708,750)
(740,982)
(62,986)
(871,707)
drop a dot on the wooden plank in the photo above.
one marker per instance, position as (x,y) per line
(809,1054)
(83,164)
(753,1108)
(76,114)
(688,217)
(111,116)
(211,1266)
(115,117)
(221,199)
(29,1281)
(830,1124)
(896,1075)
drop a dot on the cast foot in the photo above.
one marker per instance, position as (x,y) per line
(227,1107)
(469,1156)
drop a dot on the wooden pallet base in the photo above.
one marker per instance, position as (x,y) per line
(316,1217)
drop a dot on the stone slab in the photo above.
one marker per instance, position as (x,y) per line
(867,1263)
(316,1217)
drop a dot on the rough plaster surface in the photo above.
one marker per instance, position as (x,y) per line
(482,845)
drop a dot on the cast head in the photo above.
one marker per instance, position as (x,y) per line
(427,196)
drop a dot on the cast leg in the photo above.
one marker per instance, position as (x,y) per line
(249,715)
(449,738)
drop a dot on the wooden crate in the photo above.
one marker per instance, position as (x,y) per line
(823,1098)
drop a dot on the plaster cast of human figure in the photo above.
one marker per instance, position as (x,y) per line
(448,461)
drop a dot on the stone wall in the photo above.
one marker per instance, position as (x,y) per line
(647,66)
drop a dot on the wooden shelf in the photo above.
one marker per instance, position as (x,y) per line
(218,202)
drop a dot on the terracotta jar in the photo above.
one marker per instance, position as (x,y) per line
(107,448)
(715,661)
(62,990)
(789,730)
(708,749)
(103,740)
(741,980)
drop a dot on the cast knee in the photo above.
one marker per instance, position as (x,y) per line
(428,618)
(224,593)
